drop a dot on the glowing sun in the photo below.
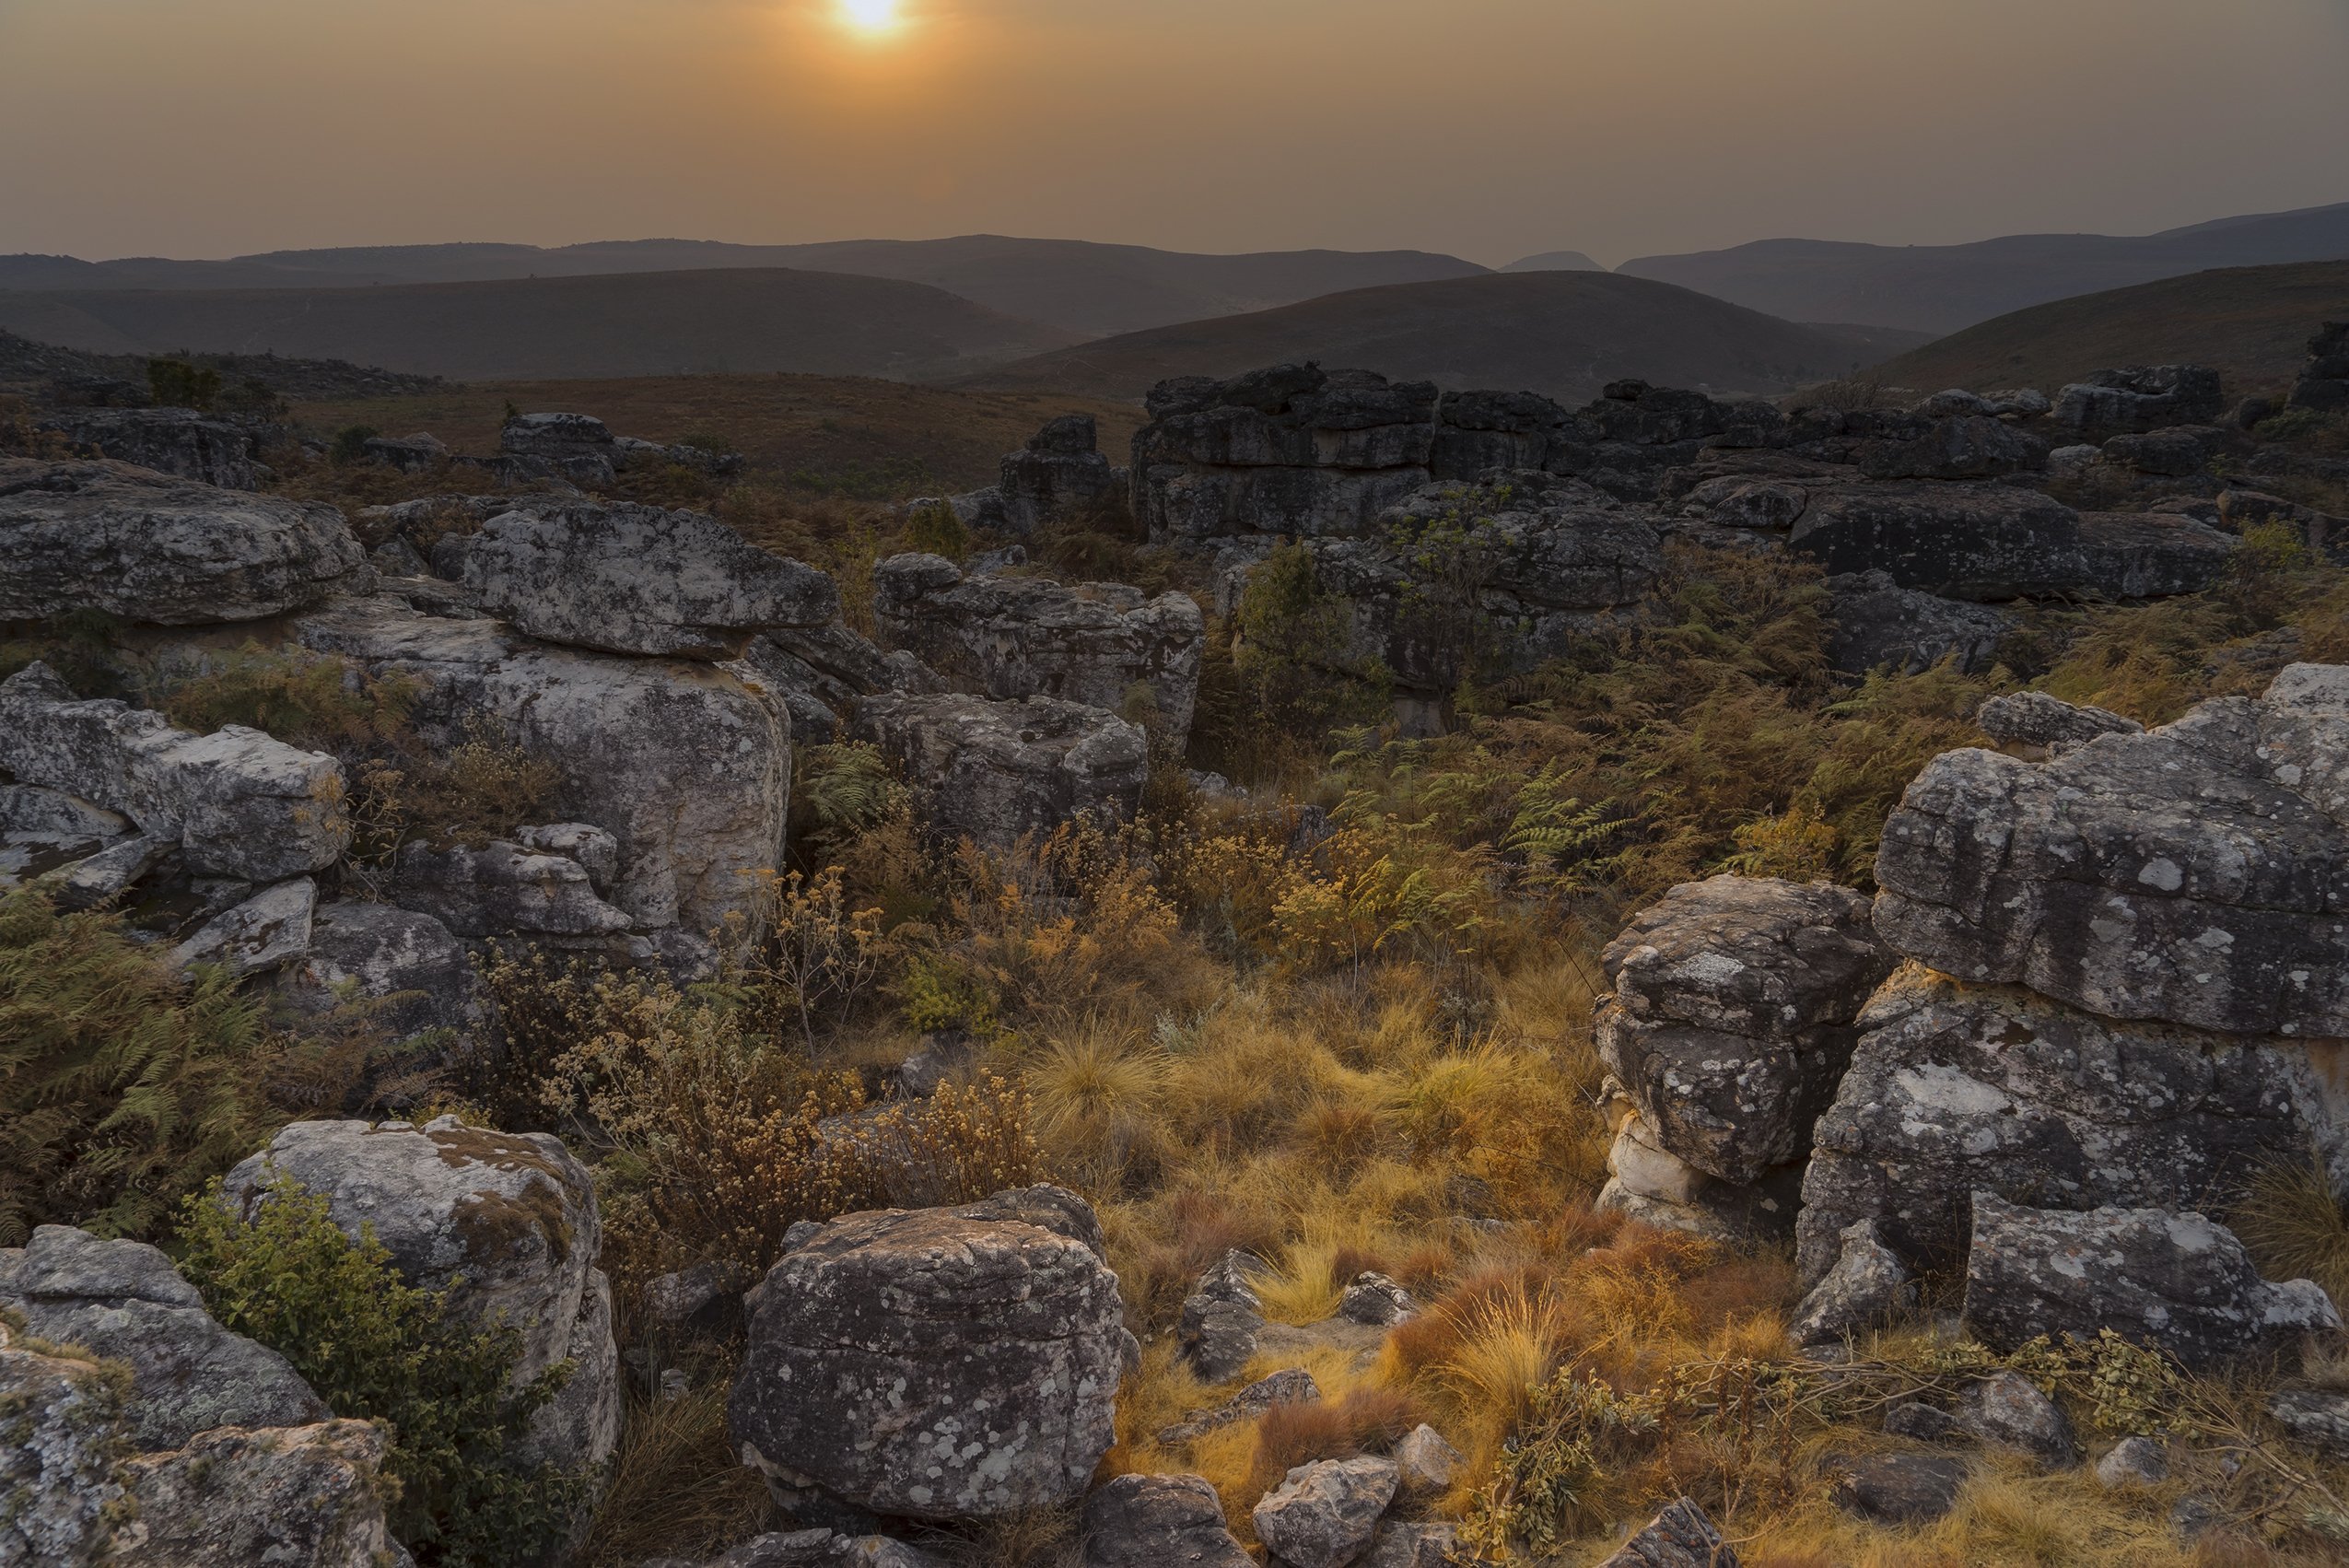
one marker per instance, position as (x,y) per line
(870,16)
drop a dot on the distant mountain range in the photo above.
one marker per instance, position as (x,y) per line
(1942,289)
(1565,334)
(638,325)
(1072,285)
(1554,260)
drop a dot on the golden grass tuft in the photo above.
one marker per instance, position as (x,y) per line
(677,1487)
(2296,1228)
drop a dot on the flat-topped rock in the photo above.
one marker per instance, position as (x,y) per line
(997,770)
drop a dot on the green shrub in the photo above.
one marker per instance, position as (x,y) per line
(176,383)
(122,1086)
(378,1349)
(939,992)
(936,529)
(350,445)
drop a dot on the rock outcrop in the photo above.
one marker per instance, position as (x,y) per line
(1863,1288)
(177,442)
(2174,1279)
(2139,398)
(236,803)
(409,964)
(1059,475)
(1011,638)
(638,580)
(937,1364)
(146,547)
(1159,1521)
(1731,1023)
(506,1222)
(266,931)
(499,888)
(997,771)
(2324,383)
(1875,623)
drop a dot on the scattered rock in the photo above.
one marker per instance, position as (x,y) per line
(1222,1320)
(1159,1521)
(103,536)
(2177,1280)
(1378,1301)
(1866,1286)
(1291,1386)
(638,580)
(1900,1488)
(2008,1411)
(238,803)
(999,770)
(1324,1515)
(1406,1544)
(2134,1464)
(266,931)
(1919,1422)
(124,1301)
(1426,1463)
(1680,1537)
(975,1353)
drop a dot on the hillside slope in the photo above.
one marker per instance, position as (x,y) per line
(641,324)
(2250,324)
(1566,334)
(1071,284)
(1943,288)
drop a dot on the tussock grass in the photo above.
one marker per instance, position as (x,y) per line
(2296,1228)
(675,1487)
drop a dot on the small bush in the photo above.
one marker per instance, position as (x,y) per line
(936,529)
(176,383)
(350,445)
(376,1348)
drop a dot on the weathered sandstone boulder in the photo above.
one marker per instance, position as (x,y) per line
(2037,720)
(506,1222)
(1058,473)
(822,673)
(997,770)
(238,803)
(266,931)
(2197,874)
(1159,1521)
(937,1364)
(1961,541)
(408,963)
(1969,446)
(2175,1279)
(1222,1320)
(639,579)
(1875,623)
(1957,1089)
(687,766)
(1323,1515)
(1866,1285)
(497,887)
(1020,636)
(124,1301)
(2008,1411)
(1680,1537)
(147,547)
(2176,451)
(2140,397)
(2150,555)
(177,442)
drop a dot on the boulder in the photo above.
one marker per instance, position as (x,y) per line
(2007,1410)
(1731,1017)
(123,1301)
(94,851)
(821,674)
(2176,451)
(418,975)
(973,1355)
(624,578)
(1984,542)
(1222,1320)
(1291,1386)
(2140,397)
(300,1497)
(1011,637)
(2195,873)
(177,442)
(1865,1288)
(704,1299)
(685,765)
(1956,1088)
(1427,1464)
(238,803)
(1159,1521)
(143,546)
(60,1474)
(2045,724)
(2314,1418)
(2134,1464)
(1680,1537)
(577,446)
(2150,555)
(499,888)
(1323,1515)
(1973,446)
(2324,383)
(1875,623)
(506,1222)
(104,877)
(2021,404)
(419,453)
(997,771)
(1059,475)
(1375,1300)
(2173,1279)
(1900,1488)
(1479,431)
(1404,1543)
(266,931)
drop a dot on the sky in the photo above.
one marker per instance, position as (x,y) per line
(1489,129)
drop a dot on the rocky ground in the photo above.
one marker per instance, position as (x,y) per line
(1406,977)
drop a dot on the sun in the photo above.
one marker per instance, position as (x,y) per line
(870,16)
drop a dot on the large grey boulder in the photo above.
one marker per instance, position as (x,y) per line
(60,1465)
(1865,1287)
(506,1222)
(1159,1521)
(2168,1278)
(684,763)
(143,546)
(996,771)
(1680,1537)
(2140,397)
(822,673)
(412,970)
(1058,475)
(2150,555)
(1020,636)
(1986,541)
(2196,873)
(1959,1088)
(1966,446)
(1222,1320)
(124,1301)
(625,579)
(2324,383)
(238,803)
(1324,1515)
(2316,1418)
(2008,1411)
(500,887)
(1731,1017)
(1875,623)
(937,1364)
(2037,720)
(181,442)
(266,931)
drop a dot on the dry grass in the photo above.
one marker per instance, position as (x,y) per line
(2296,1228)
(676,1489)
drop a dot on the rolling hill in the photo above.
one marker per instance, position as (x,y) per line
(2250,324)
(1566,334)
(1943,288)
(629,324)
(1069,284)
(1554,260)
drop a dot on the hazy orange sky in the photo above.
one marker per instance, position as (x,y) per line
(1487,128)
